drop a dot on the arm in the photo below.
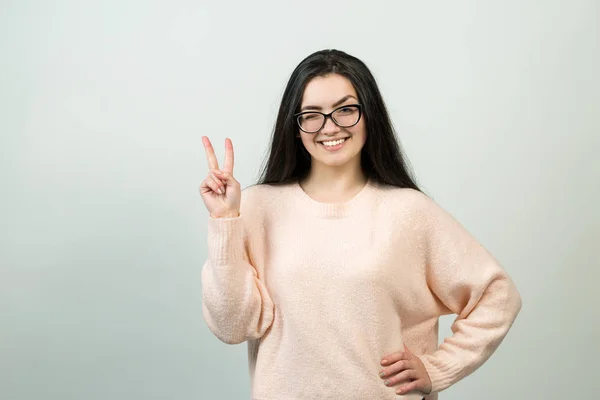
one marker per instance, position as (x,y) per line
(469,282)
(235,303)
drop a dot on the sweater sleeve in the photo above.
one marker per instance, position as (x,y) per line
(235,303)
(469,281)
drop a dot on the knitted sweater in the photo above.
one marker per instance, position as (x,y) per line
(321,291)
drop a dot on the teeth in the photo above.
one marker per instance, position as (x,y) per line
(334,142)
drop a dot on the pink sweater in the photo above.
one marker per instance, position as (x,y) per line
(323,291)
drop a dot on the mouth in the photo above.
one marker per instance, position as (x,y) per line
(333,145)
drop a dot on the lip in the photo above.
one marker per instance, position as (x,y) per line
(335,148)
(332,140)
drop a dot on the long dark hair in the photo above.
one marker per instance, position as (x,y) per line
(382,159)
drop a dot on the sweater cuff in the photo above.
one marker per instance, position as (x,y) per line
(443,372)
(225,240)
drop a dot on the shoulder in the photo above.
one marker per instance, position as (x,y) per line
(263,197)
(412,207)
(404,200)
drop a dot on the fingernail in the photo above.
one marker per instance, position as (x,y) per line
(382,374)
(220,191)
(386,383)
(384,361)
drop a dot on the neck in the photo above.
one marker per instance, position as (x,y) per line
(330,184)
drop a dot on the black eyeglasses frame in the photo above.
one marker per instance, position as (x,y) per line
(330,115)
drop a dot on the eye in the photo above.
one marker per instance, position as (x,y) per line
(346,110)
(309,117)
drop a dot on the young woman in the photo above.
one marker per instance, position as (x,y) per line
(335,268)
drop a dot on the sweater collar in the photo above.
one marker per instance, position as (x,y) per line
(331,210)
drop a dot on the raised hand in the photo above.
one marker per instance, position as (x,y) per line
(220,191)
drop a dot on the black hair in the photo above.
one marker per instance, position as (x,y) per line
(382,159)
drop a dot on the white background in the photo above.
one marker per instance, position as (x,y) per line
(103,232)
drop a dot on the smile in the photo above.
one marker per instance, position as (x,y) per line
(333,145)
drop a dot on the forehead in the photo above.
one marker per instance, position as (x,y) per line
(326,90)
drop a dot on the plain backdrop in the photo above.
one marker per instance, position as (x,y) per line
(103,232)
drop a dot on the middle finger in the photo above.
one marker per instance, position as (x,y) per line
(396,368)
(403,376)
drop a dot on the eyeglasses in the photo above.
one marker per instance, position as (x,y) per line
(344,117)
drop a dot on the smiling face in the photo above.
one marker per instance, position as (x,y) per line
(332,146)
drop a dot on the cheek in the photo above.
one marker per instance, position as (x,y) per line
(363,134)
(307,141)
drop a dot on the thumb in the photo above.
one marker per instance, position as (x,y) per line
(225,176)
(407,351)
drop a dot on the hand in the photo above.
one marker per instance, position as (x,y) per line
(220,191)
(404,366)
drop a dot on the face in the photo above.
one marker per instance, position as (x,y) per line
(332,146)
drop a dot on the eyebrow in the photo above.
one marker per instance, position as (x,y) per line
(337,103)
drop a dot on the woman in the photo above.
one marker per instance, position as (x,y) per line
(336,267)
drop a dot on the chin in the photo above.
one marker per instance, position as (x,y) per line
(336,162)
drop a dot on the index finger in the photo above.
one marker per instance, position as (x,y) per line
(392,358)
(228,165)
(211,158)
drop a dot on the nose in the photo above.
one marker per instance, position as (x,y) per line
(330,127)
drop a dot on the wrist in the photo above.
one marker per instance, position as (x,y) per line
(228,215)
